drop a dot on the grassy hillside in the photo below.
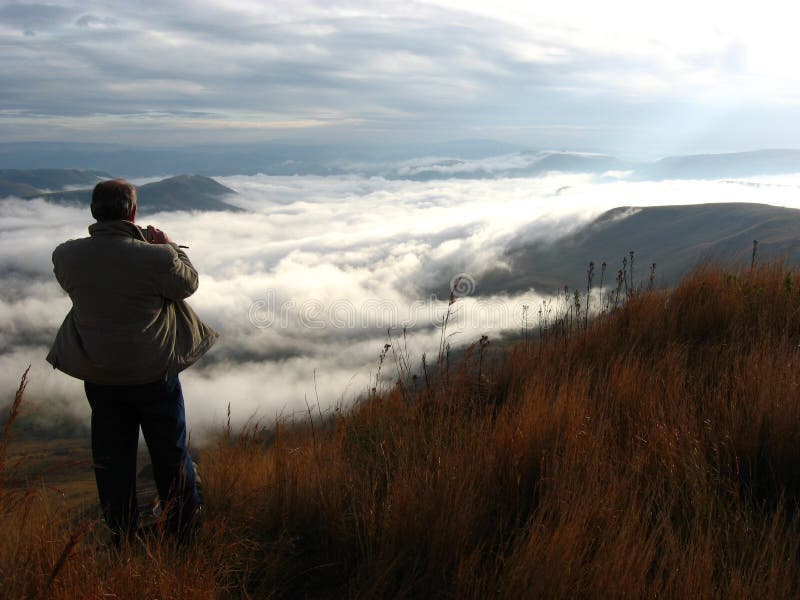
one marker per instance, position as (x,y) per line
(650,452)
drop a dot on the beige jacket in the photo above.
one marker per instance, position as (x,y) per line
(129,323)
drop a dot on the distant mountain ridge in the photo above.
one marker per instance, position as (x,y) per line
(53,179)
(520,164)
(458,159)
(276,158)
(23,183)
(179,193)
(721,166)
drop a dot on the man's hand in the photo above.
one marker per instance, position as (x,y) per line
(156,236)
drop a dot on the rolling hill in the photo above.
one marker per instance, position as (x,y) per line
(182,192)
(676,238)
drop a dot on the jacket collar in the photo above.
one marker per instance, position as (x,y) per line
(119,228)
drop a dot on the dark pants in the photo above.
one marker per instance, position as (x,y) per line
(117,413)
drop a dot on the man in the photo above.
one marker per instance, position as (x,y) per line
(128,335)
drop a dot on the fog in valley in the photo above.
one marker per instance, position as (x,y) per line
(304,284)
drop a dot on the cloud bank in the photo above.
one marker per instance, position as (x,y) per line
(305,284)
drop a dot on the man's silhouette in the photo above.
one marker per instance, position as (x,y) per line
(128,335)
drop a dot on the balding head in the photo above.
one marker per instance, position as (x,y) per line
(113,199)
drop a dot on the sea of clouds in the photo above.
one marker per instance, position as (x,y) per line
(304,285)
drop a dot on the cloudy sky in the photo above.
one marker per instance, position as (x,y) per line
(628,77)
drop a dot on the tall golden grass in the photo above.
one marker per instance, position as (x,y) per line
(649,452)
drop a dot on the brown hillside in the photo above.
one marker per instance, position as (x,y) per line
(650,454)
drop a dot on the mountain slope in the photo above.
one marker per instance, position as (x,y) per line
(14,188)
(184,192)
(676,238)
(650,452)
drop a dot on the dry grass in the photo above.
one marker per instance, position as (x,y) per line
(650,452)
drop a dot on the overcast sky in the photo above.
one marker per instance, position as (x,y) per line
(636,78)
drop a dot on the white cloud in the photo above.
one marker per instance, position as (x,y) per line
(310,279)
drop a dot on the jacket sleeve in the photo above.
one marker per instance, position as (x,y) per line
(181,280)
(58,269)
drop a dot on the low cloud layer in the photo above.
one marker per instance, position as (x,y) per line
(305,284)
